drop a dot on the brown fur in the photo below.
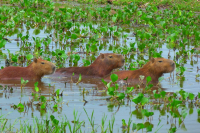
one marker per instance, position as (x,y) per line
(35,71)
(101,67)
(154,68)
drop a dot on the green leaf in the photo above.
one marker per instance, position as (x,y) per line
(36,84)
(64,56)
(140,126)
(198,111)
(110,89)
(37,89)
(86,62)
(80,77)
(150,86)
(114,77)
(149,128)
(148,79)
(191,111)
(14,58)
(134,126)
(137,99)
(163,93)
(93,48)
(123,122)
(55,122)
(139,13)
(20,106)
(104,82)
(55,106)
(36,31)
(74,36)
(43,106)
(114,19)
(57,92)
(52,117)
(179,12)
(175,103)
(144,100)
(22,81)
(114,28)
(42,98)
(121,96)
(130,88)
(2,43)
(191,96)
(108,84)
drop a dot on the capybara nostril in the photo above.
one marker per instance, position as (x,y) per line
(123,60)
(54,68)
(173,64)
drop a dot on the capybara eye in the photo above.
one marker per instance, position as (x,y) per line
(159,61)
(110,56)
(42,62)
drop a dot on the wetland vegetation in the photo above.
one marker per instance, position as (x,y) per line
(74,34)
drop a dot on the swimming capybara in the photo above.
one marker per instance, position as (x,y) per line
(154,68)
(35,71)
(101,67)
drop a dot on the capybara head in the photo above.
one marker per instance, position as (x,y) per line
(112,60)
(43,67)
(160,65)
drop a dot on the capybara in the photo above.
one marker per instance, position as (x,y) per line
(35,71)
(154,68)
(101,67)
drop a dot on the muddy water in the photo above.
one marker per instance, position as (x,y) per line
(96,98)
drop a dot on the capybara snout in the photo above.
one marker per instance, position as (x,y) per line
(173,64)
(116,60)
(43,67)
(123,60)
(54,69)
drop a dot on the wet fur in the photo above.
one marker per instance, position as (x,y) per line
(35,71)
(101,67)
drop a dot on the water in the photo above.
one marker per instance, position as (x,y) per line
(96,98)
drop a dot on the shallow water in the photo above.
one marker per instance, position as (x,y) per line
(96,101)
(72,98)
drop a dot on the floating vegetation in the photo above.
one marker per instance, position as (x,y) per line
(70,35)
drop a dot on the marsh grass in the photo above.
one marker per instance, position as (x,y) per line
(91,120)
(81,27)
(52,125)
(191,5)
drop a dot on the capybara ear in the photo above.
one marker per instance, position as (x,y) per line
(35,60)
(152,59)
(102,56)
